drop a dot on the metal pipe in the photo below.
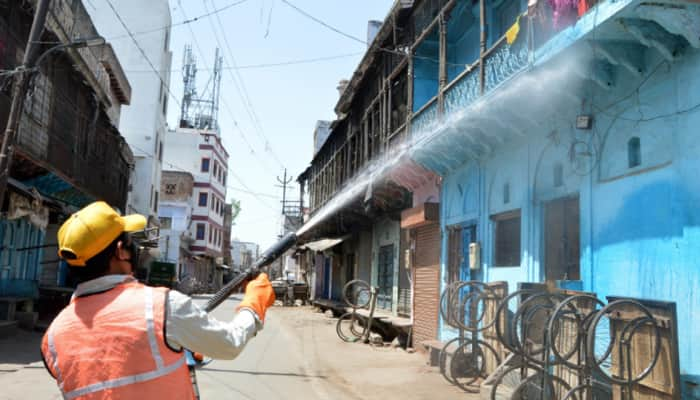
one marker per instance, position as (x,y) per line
(267,258)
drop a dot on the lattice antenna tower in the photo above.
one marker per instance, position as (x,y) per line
(201,111)
(216,91)
(189,74)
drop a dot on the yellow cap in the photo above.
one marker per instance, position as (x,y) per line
(91,230)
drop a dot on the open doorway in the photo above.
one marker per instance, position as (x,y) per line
(385,277)
(561,241)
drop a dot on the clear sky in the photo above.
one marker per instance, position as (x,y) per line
(287,100)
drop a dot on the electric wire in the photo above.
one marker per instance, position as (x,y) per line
(176,99)
(184,22)
(143,53)
(181,169)
(321,22)
(242,92)
(263,65)
(356,39)
(224,102)
(119,17)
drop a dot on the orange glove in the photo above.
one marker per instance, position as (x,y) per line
(259,296)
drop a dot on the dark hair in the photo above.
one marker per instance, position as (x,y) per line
(98,265)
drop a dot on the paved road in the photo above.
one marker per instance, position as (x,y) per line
(296,356)
(277,364)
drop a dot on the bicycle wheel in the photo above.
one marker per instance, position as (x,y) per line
(349,327)
(468,363)
(357,293)
(442,361)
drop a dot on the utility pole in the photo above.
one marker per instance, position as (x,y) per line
(283,184)
(19,91)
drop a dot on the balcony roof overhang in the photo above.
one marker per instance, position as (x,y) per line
(609,42)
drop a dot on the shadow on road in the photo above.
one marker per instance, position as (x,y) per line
(256,373)
(22,348)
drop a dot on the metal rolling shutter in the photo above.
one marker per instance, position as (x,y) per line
(427,283)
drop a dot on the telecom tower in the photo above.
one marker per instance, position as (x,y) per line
(200,112)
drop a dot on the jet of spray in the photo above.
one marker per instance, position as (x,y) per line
(542,86)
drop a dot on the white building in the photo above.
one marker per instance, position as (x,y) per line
(175,213)
(143,123)
(202,154)
(244,253)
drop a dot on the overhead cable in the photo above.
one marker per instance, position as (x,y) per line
(319,21)
(143,53)
(223,100)
(181,169)
(184,22)
(243,92)
(269,65)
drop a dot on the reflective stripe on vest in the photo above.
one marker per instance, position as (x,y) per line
(115,303)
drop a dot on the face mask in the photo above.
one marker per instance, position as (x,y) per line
(133,248)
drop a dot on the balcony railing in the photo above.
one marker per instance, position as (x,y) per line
(425,117)
(463,91)
(502,61)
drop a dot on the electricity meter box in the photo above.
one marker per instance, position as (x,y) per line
(474,256)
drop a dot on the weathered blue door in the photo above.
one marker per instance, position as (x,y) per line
(561,244)
(385,277)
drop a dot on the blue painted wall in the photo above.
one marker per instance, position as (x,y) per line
(20,270)
(639,226)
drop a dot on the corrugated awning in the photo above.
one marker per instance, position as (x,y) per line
(323,244)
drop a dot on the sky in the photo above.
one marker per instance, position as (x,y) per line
(286,101)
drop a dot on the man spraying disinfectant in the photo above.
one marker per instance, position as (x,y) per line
(120,339)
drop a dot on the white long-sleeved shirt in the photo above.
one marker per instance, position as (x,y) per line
(187,325)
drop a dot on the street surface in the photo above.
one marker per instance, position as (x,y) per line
(297,356)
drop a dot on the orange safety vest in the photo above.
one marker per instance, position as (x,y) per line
(111,345)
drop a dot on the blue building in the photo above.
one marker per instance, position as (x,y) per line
(568,148)
(562,135)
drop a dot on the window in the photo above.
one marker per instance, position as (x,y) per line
(216,169)
(205,165)
(170,188)
(151,202)
(165,222)
(634,152)
(200,231)
(213,202)
(558,175)
(155,205)
(160,151)
(506,193)
(506,239)
(211,233)
(203,198)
